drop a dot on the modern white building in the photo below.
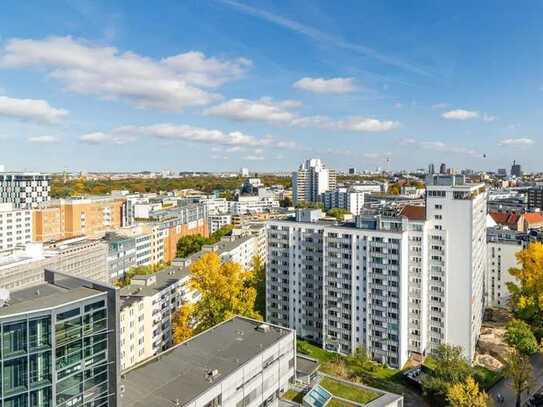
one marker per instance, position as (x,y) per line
(396,285)
(252,204)
(344,198)
(239,362)
(15,226)
(236,249)
(311,180)
(24,190)
(215,222)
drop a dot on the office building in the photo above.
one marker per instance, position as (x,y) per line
(23,267)
(60,344)
(244,172)
(311,180)
(343,198)
(239,362)
(352,171)
(442,169)
(516,170)
(502,172)
(393,284)
(252,204)
(74,217)
(15,226)
(431,169)
(24,190)
(121,254)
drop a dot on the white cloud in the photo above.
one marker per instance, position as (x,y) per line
(168,84)
(44,140)
(279,112)
(460,114)
(439,106)
(522,141)
(321,85)
(488,118)
(30,109)
(441,147)
(234,141)
(260,110)
(253,158)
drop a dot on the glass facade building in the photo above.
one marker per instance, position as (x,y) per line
(59,346)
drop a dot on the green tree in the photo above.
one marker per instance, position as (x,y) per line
(258,271)
(190,244)
(467,394)
(286,202)
(518,368)
(519,335)
(449,367)
(337,213)
(225,290)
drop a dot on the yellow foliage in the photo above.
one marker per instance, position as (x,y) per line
(527,294)
(467,394)
(225,290)
(182,323)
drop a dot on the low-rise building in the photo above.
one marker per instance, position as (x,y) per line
(121,254)
(240,362)
(343,198)
(218,221)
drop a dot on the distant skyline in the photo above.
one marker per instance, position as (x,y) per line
(222,84)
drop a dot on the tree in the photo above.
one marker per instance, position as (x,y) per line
(467,394)
(394,189)
(286,202)
(518,368)
(337,213)
(449,367)
(527,293)
(519,335)
(258,271)
(190,244)
(225,290)
(182,328)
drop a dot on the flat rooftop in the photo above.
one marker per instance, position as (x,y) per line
(181,372)
(164,279)
(44,296)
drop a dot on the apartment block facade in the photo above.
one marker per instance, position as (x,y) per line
(24,190)
(395,285)
(311,180)
(15,226)
(350,200)
(60,344)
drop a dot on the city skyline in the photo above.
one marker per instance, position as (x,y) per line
(107,87)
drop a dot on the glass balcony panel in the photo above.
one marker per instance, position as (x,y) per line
(14,376)
(14,339)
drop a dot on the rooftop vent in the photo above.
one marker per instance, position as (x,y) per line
(211,375)
(265,328)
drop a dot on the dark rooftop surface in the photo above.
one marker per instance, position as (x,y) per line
(180,373)
(305,365)
(44,296)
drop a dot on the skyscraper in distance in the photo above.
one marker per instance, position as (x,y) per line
(311,180)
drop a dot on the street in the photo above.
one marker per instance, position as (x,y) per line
(503,387)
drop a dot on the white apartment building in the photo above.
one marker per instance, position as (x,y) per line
(341,286)
(236,249)
(397,286)
(344,198)
(148,305)
(503,245)
(239,362)
(215,222)
(258,230)
(24,190)
(311,180)
(252,204)
(215,206)
(15,226)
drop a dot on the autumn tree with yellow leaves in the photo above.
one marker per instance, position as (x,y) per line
(182,323)
(225,289)
(527,291)
(467,394)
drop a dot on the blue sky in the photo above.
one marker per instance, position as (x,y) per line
(223,84)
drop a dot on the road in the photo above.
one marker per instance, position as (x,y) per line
(503,387)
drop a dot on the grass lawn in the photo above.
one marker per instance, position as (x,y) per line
(486,377)
(348,392)
(339,403)
(293,395)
